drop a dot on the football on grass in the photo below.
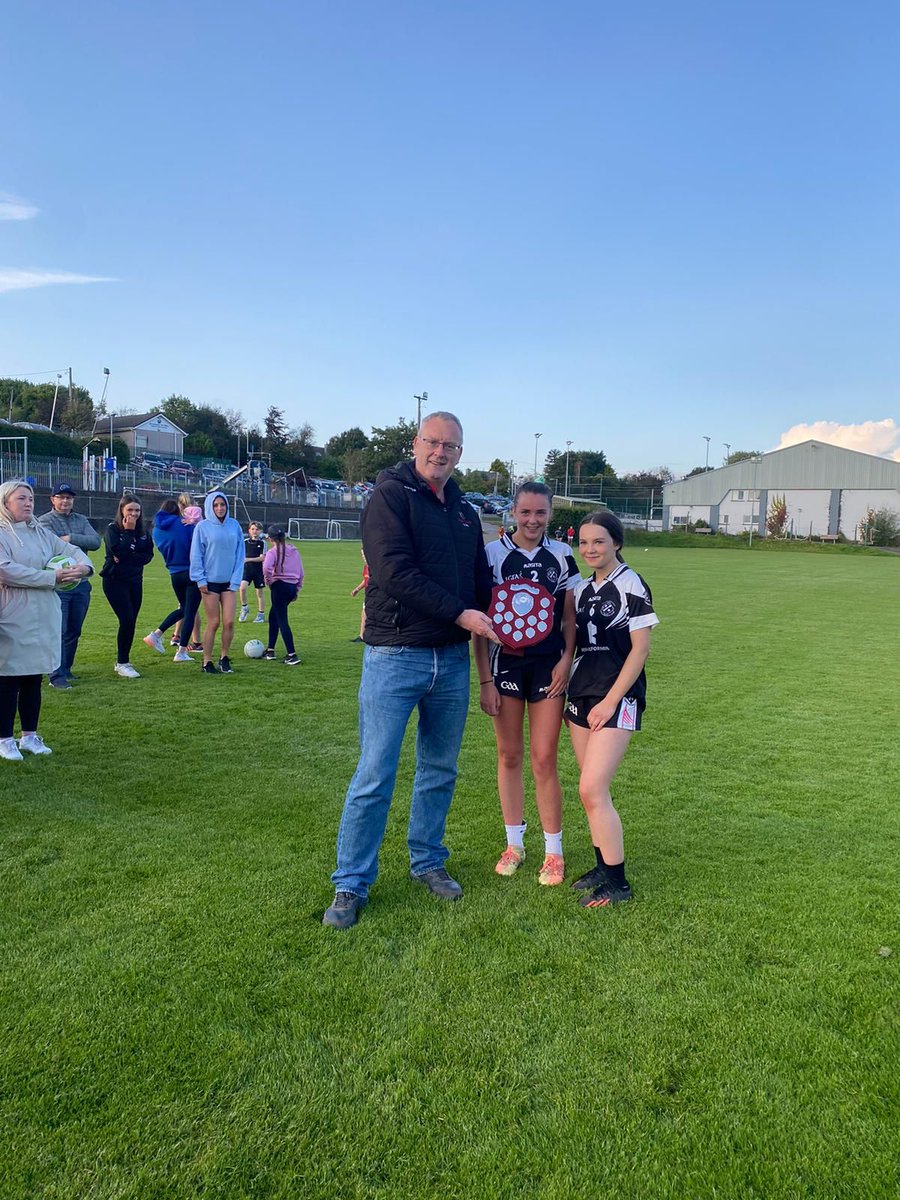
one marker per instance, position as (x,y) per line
(254,649)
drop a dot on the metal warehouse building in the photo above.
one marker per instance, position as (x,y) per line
(827,489)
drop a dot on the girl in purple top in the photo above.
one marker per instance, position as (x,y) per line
(283,573)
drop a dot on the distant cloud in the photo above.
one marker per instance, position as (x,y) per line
(14,209)
(12,280)
(869,437)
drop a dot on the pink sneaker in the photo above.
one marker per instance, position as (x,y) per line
(510,860)
(553,871)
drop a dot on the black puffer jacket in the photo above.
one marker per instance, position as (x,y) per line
(426,561)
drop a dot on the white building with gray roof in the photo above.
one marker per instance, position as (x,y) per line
(827,490)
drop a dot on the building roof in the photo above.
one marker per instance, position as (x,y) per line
(808,465)
(136,420)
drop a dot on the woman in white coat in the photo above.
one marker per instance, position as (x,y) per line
(30,614)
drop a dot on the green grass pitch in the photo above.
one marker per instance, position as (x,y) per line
(177,1023)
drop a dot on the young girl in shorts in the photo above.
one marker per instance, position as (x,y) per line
(613,618)
(535,678)
(217,563)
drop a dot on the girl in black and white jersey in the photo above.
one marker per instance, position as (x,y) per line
(613,618)
(535,677)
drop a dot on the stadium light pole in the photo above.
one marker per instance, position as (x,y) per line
(707,440)
(727,446)
(55,394)
(568,448)
(537,438)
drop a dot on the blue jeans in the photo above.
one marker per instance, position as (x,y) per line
(74,610)
(395,680)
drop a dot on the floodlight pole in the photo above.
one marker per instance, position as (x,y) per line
(568,448)
(707,440)
(537,438)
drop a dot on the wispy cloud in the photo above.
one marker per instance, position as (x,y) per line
(12,280)
(14,209)
(869,437)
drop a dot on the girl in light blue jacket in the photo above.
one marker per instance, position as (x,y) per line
(217,564)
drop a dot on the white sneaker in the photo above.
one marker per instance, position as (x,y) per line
(155,642)
(127,671)
(34,744)
(259,619)
(9,750)
(182,656)
(245,612)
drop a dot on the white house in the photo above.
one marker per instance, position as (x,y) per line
(151,431)
(826,488)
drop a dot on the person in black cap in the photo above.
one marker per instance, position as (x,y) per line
(72,527)
(283,573)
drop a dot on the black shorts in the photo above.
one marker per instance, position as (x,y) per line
(525,677)
(218,588)
(626,716)
(253,574)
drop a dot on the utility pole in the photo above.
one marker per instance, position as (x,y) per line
(420,400)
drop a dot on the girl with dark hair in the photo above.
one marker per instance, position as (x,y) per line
(128,550)
(283,574)
(534,678)
(173,534)
(613,618)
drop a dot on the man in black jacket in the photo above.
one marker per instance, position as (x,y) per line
(429,582)
(71,527)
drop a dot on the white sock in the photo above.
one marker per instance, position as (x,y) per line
(553,843)
(515,835)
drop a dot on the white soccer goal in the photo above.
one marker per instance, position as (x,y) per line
(307,529)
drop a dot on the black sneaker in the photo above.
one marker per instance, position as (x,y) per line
(269,656)
(590,879)
(606,894)
(225,666)
(439,883)
(344,910)
(210,668)
(292,660)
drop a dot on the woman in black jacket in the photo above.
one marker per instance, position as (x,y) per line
(128,550)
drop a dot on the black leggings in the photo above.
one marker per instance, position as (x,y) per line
(22,692)
(180,581)
(124,596)
(192,602)
(281,594)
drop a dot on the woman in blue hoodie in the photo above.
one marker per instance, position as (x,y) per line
(173,535)
(217,565)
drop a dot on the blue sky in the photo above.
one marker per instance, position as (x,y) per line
(628,226)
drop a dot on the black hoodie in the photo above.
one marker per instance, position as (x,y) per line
(426,561)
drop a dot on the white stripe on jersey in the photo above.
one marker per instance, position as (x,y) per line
(627,583)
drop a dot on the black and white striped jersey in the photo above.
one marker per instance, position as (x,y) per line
(551,564)
(605,615)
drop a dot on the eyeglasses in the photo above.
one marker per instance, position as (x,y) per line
(434,444)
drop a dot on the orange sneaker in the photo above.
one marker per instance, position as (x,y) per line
(510,860)
(553,871)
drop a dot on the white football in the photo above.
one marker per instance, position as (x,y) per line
(254,648)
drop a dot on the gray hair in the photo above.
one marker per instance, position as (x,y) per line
(6,490)
(442,416)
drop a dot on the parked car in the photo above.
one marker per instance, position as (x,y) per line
(150,462)
(180,469)
(475,498)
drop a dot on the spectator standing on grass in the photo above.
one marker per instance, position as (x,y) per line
(70,526)
(283,573)
(606,693)
(534,678)
(254,552)
(129,547)
(217,563)
(429,582)
(172,535)
(361,587)
(30,615)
